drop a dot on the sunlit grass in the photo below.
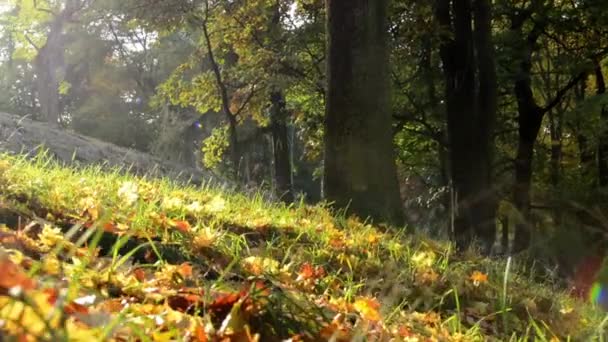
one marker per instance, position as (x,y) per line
(118,237)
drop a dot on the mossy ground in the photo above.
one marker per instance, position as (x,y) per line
(93,255)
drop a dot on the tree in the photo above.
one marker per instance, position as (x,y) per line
(467,53)
(50,62)
(360,170)
(603,138)
(528,26)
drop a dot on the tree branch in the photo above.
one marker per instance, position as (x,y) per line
(562,92)
(29,40)
(215,67)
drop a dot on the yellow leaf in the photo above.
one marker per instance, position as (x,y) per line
(259,265)
(368,308)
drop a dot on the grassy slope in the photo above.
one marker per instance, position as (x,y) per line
(88,255)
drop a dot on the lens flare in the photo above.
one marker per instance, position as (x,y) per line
(597,294)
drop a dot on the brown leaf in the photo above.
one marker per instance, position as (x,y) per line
(139,274)
(184,302)
(13,276)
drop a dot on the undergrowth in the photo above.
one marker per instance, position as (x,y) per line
(91,255)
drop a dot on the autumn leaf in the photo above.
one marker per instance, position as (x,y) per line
(309,274)
(479,278)
(368,308)
(182,226)
(205,238)
(224,302)
(75,308)
(235,322)
(185,270)
(13,276)
(336,331)
(140,275)
(306,272)
(199,334)
(260,265)
(184,302)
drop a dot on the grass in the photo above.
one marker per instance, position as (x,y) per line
(100,255)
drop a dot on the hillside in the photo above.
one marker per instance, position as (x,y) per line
(91,255)
(22,135)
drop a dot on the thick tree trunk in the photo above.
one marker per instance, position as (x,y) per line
(280,144)
(360,170)
(603,141)
(471,113)
(530,118)
(50,65)
(487,111)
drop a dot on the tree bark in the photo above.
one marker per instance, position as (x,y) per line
(50,65)
(487,112)
(603,140)
(360,172)
(471,101)
(280,144)
(556,148)
(529,117)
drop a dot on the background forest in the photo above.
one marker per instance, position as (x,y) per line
(498,109)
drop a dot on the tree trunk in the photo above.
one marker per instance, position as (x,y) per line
(280,144)
(586,152)
(471,95)
(485,226)
(603,140)
(49,64)
(360,171)
(225,97)
(234,145)
(556,147)
(529,118)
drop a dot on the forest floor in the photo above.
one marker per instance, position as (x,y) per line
(91,255)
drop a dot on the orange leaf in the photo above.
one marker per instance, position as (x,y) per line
(185,270)
(140,275)
(182,226)
(199,334)
(306,272)
(478,278)
(110,227)
(72,308)
(52,295)
(13,276)
(226,300)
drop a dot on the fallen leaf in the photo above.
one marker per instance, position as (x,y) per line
(13,276)
(182,226)
(140,275)
(260,265)
(479,278)
(368,308)
(185,270)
